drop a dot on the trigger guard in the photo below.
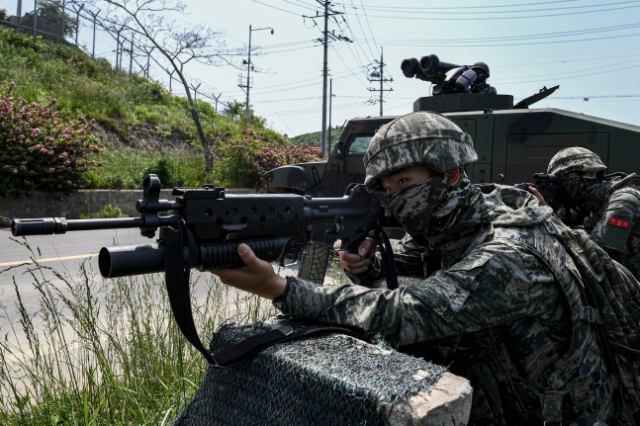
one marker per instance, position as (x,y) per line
(296,259)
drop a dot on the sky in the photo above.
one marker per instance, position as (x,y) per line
(591,48)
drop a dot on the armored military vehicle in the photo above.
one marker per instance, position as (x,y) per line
(513,142)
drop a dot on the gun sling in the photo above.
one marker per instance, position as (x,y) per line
(177,281)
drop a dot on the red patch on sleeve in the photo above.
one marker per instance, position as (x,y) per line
(621,223)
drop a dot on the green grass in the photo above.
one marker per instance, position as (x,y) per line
(127,169)
(109,211)
(107,352)
(45,69)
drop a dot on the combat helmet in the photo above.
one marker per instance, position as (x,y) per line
(483,66)
(575,159)
(417,139)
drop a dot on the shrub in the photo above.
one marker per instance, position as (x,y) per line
(109,211)
(249,157)
(166,170)
(41,149)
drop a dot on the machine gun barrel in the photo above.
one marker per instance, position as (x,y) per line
(60,225)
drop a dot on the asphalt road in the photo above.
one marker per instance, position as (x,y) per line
(65,254)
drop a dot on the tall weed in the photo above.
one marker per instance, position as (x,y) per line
(107,352)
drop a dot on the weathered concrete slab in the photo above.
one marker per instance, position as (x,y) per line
(332,379)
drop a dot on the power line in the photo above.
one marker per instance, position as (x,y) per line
(373,37)
(416,18)
(572,73)
(463,10)
(363,34)
(573,76)
(273,7)
(475,7)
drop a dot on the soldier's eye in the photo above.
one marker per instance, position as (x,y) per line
(403,180)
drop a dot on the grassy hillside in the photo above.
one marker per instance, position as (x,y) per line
(125,105)
(44,69)
(314,138)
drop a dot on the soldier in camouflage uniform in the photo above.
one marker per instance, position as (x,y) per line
(610,205)
(481,85)
(508,296)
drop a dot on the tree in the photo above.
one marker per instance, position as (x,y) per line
(52,11)
(179,46)
(233,109)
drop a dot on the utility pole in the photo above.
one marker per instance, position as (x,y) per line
(330,102)
(247,109)
(378,75)
(327,37)
(325,71)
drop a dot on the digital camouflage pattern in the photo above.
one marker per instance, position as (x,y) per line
(575,159)
(417,139)
(615,225)
(481,85)
(511,292)
(484,88)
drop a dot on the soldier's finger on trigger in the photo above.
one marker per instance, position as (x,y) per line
(350,257)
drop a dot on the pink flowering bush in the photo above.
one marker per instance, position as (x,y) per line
(41,149)
(249,156)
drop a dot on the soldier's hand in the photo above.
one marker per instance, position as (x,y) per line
(538,195)
(257,276)
(357,263)
(561,213)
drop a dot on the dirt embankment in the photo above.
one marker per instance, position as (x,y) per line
(141,138)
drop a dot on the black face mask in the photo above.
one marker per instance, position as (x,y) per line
(579,189)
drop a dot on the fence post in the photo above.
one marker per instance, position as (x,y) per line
(19,13)
(117,49)
(93,46)
(77,22)
(131,56)
(35,16)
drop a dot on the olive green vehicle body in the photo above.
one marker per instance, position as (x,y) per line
(512,144)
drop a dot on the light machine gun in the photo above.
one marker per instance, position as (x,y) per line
(207,225)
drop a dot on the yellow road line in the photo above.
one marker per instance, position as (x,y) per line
(52,259)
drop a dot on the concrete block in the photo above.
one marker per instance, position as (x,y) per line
(332,379)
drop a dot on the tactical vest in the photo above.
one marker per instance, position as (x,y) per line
(518,374)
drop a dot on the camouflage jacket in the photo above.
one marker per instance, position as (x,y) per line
(615,226)
(512,295)
(486,89)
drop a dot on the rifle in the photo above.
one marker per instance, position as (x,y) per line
(207,225)
(548,186)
